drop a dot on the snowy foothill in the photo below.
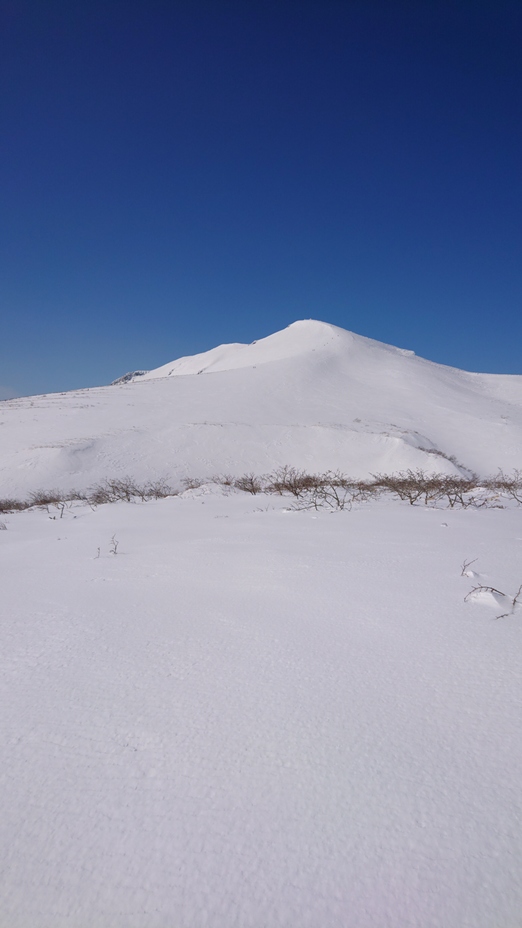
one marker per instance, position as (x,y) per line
(240,710)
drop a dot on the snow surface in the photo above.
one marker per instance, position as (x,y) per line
(220,712)
(257,718)
(312,396)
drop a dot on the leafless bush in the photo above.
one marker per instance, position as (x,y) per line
(76,496)
(126,489)
(326,496)
(159,490)
(13,505)
(508,484)
(334,478)
(302,485)
(290,480)
(461,492)
(330,490)
(455,490)
(410,485)
(110,491)
(192,483)
(249,483)
(45,498)
(223,480)
(100,494)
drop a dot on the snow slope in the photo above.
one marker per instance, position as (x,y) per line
(313,396)
(217,712)
(252,718)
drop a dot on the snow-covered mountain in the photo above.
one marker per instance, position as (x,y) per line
(313,395)
(235,711)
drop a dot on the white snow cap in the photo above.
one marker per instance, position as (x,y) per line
(298,340)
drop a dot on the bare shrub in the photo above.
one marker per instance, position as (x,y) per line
(99,494)
(456,491)
(509,484)
(159,490)
(326,496)
(111,491)
(192,483)
(302,485)
(290,480)
(365,489)
(328,490)
(410,485)
(44,498)
(249,483)
(223,480)
(126,489)
(13,505)
(461,492)
(79,495)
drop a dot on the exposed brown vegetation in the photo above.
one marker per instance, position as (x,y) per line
(329,490)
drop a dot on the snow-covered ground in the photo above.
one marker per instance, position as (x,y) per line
(313,396)
(218,711)
(248,717)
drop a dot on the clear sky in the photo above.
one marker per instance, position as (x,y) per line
(179,174)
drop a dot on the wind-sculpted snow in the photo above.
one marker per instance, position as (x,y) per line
(313,396)
(252,717)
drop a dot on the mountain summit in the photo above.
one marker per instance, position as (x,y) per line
(314,396)
(300,339)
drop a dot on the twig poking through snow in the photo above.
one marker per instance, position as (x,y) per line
(466,565)
(476,592)
(516,602)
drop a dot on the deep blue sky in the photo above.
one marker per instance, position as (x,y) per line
(179,174)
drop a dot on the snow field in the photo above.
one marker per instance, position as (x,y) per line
(260,718)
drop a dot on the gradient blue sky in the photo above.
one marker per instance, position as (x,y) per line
(179,174)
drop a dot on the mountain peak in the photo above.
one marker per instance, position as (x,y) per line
(298,339)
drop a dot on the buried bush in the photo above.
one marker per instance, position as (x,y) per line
(293,481)
(13,505)
(46,498)
(110,491)
(126,489)
(249,483)
(510,485)
(455,490)
(410,485)
(330,490)
(326,496)
(194,483)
